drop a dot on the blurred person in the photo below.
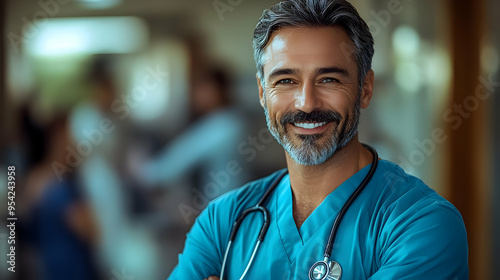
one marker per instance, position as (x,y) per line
(205,147)
(338,211)
(193,160)
(126,246)
(57,217)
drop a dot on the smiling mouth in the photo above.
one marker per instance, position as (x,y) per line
(309,125)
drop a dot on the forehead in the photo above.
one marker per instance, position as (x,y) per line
(309,47)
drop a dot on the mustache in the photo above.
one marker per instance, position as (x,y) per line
(314,116)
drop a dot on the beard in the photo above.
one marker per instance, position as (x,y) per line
(315,149)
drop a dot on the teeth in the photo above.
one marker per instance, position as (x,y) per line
(309,125)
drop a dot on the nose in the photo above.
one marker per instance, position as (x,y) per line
(307,99)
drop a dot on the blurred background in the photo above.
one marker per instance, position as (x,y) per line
(124,118)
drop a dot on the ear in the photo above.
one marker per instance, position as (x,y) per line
(367,89)
(261,91)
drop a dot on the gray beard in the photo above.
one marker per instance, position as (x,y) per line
(309,152)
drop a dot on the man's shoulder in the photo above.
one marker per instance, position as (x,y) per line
(414,224)
(399,183)
(404,194)
(217,218)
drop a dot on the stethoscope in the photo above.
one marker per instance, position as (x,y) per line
(320,270)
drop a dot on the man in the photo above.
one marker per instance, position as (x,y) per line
(314,75)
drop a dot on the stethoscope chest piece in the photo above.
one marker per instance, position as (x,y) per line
(323,270)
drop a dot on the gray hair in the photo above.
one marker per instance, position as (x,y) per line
(315,13)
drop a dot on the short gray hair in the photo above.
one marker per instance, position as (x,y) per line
(315,13)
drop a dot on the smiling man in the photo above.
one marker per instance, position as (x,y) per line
(339,211)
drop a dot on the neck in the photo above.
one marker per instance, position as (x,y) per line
(312,184)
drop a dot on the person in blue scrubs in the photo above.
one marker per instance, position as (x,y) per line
(314,76)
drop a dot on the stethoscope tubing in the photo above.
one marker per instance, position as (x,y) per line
(343,210)
(265,213)
(263,230)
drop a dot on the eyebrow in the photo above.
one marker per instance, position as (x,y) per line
(332,70)
(319,71)
(282,71)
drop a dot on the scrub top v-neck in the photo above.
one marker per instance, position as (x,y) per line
(310,239)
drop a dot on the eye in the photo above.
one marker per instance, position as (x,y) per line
(329,80)
(284,82)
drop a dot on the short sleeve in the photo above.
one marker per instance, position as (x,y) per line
(201,255)
(423,242)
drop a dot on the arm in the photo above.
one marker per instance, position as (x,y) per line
(202,140)
(429,243)
(201,256)
(206,242)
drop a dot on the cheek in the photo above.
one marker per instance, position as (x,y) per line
(343,99)
(280,101)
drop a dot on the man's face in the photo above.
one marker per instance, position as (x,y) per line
(310,91)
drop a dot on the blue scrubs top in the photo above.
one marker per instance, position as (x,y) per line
(398,228)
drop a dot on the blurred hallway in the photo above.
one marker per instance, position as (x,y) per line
(136,80)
